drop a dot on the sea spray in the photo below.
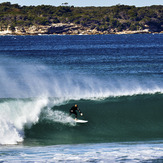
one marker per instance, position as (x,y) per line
(15,115)
(26,81)
(58,116)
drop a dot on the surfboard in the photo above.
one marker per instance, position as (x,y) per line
(80,121)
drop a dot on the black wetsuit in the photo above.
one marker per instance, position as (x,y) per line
(73,111)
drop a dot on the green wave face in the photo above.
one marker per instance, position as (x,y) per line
(125,118)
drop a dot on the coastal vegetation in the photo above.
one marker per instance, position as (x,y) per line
(105,19)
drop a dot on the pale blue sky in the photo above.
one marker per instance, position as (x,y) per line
(138,3)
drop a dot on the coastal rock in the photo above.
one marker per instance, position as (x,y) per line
(5,31)
(134,32)
(63,29)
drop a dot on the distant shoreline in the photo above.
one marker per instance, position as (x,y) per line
(70,20)
(65,29)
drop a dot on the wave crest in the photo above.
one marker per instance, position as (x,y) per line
(14,115)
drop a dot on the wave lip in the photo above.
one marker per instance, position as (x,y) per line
(15,115)
(9,134)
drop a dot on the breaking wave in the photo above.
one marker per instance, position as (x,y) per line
(34,104)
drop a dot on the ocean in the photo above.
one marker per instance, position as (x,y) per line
(116,80)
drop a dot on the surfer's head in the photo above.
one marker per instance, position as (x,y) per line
(76,105)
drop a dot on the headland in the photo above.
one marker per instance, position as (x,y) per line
(70,20)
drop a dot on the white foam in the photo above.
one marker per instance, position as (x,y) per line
(9,134)
(14,115)
(109,152)
(59,116)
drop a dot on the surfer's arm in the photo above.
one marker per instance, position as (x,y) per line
(80,112)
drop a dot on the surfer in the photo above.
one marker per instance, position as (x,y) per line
(74,109)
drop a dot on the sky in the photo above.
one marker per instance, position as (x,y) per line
(83,3)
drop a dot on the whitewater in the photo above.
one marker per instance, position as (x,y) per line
(116,81)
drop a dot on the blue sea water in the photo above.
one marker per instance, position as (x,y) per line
(117,81)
